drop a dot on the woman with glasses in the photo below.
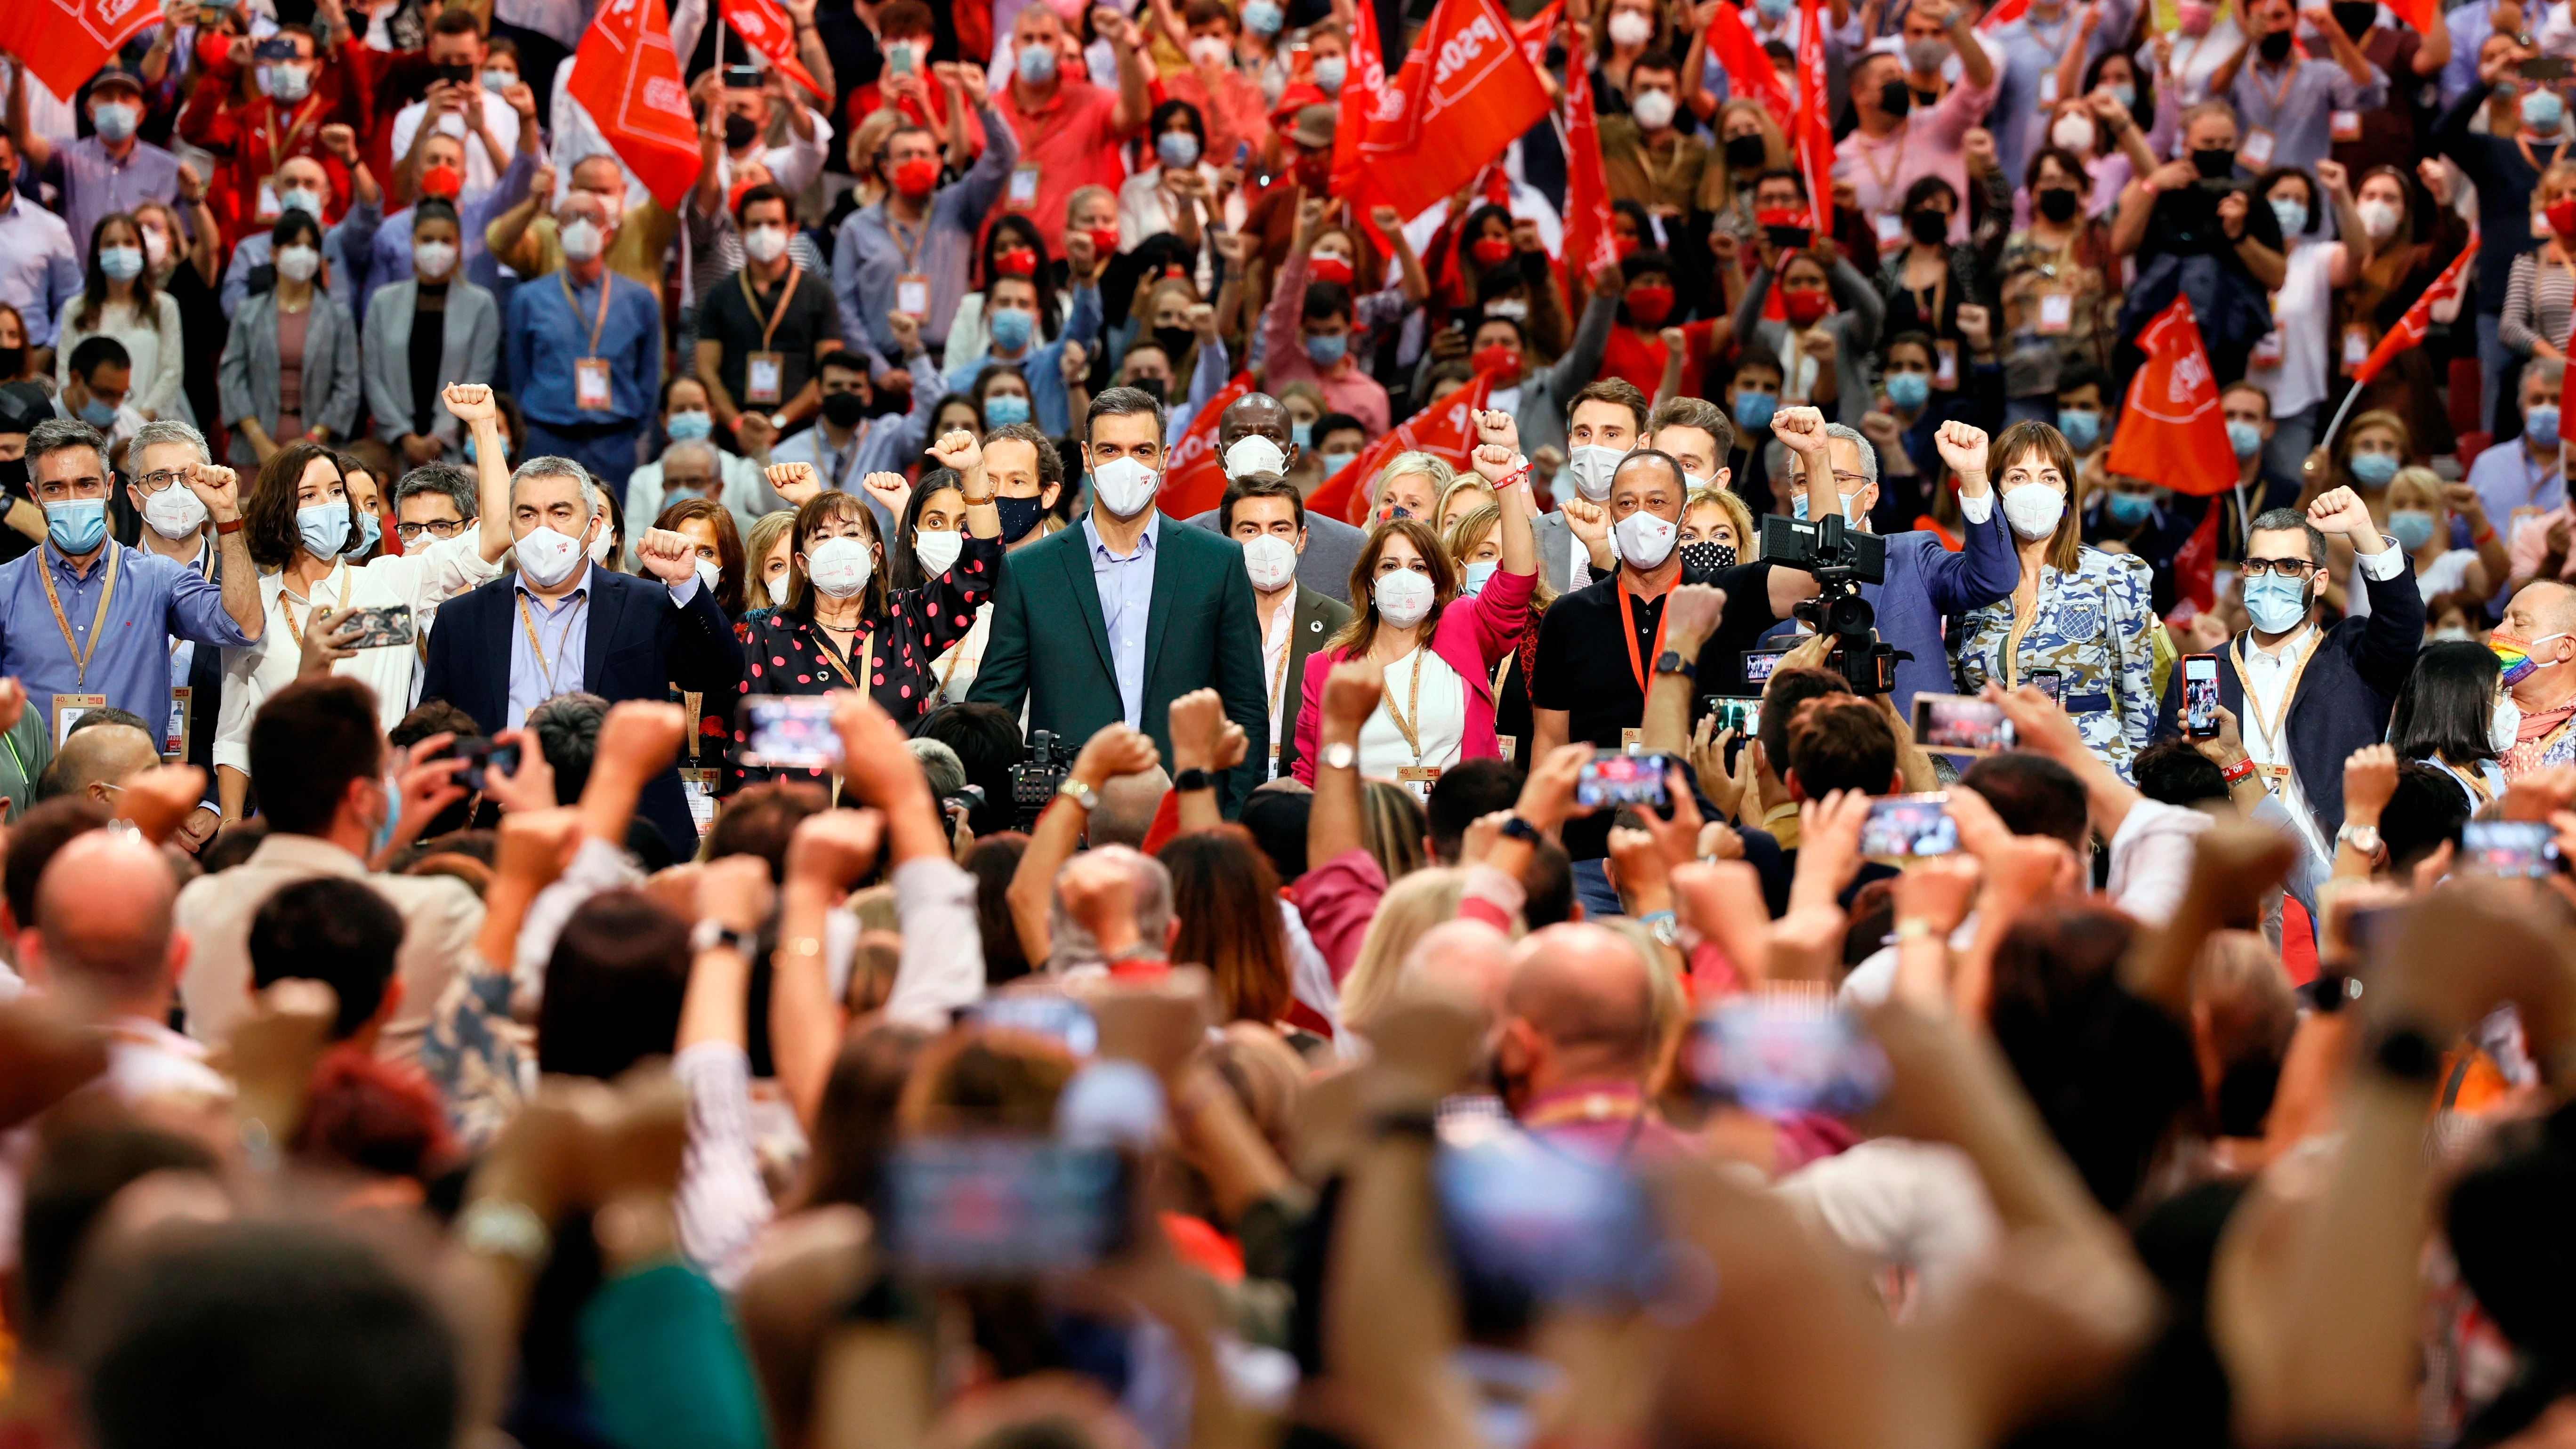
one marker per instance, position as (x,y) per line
(2078,613)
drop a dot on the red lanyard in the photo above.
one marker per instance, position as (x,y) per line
(1628,631)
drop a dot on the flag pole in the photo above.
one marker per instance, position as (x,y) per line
(2326,440)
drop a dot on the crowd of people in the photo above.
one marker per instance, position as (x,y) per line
(1024,771)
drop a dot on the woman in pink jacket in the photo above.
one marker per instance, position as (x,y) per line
(1438,648)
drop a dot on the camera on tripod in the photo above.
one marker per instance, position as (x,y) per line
(1842,558)
(1034,780)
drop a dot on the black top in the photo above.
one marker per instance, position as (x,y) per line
(2185,222)
(812,318)
(1583,666)
(428,348)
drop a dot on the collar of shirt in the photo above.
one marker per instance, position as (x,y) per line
(519,584)
(1144,541)
(62,565)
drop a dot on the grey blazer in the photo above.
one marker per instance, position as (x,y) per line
(1556,546)
(248,374)
(1332,547)
(469,351)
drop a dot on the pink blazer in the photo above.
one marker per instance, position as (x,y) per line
(1472,637)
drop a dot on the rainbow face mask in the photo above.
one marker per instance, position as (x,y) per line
(2514,655)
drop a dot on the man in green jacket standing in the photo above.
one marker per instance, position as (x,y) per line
(1116,618)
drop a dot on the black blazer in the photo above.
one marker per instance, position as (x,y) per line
(1317,620)
(2345,696)
(639,646)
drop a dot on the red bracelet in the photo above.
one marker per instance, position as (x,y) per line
(2238,771)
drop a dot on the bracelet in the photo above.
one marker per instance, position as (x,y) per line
(2236,773)
(1914,928)
(233,527)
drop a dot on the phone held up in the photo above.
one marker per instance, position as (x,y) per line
(2200,696)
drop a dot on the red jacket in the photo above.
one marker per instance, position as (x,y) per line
(251,138)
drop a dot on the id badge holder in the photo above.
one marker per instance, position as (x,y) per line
(2343,125)
(2056,312)
(1023,195)
(760,377)
(1511,745)
(2256,153)
(1418,779)
(68,708)
(2047,89)
(2267,353)
(2356,347)
(1631,741)
(174,735)
(1891,229)
(269,207)
(1945,364)
(590,389)
(698,787)
(912,295)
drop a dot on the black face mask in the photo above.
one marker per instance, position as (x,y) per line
(13,476)
(2216,164)
(1746,152)
(1929,227)
(2355,16)
(2276,46)
(2057,204)
(740,131)
(1896,98)
(13,360)
(1701,559)
(1175,342)
(844,409)
(1151,387)
(1019,515)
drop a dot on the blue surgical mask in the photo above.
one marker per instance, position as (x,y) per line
(1037,64)
(1477,574)
(1325,349)
(1302,434)
(2541,421)
(2373,470)
(2244,440)
(2129,509)
(1002,409)
(1011,327)
(689,426)
(2125,94)
(1330,73)
(1263,17)
(1909,390)
(98,415)
(76,525)
(324,527)
(2542,112)
(1775,11)
(2411,527)
(2275,604)
(1177,149)
(2082,427)
(1334,463)
(1798,506)
(114,119)
(2293,215)
(1754,409)
(371,531)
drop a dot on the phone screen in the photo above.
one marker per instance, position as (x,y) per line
(1914,825)
(2200,695)
(2049,682)
(1519,1216)
(1610,779)
(1758,664)
(1002,1207)
(1779,1052)
(376,628)
(791,731)
(483,759)
(2509,847)
(1039,1013)
(1957,724)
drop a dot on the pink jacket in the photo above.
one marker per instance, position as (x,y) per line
(1472,637)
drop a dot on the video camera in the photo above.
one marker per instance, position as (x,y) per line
(1034,781)
(1842,558)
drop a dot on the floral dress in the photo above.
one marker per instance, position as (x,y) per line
(785,654)
(2096,628)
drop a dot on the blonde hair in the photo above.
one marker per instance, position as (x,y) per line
(2423,481)
(1748,541)
(1467,482)
(1469,531)
(764,536)
(1430,466)
(1411,906)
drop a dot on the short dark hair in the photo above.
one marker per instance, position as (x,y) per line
(1655,57)
(333,930)
(2175,772)
(268,507)
(108,715)
(1259,485)
(306,744)
(98,351)
(1465,793)
(2032,795)
(765,191)
(457,20)
(1617,390)
(1842,744)
(1121,402)
(431,717)
(61,435)
(447,480)
(1787,689)
(1331,423)
(1547,885)
(759,821)
(1050,462)
(844,358)
(2076,376)
(613,986)
(567,731)
(1326,299)
(2281,519)
(986,738)
(1700,413)
(1277,820)
(34,840)
(2427,808)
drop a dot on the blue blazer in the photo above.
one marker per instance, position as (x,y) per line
(639,647)
(1926,582)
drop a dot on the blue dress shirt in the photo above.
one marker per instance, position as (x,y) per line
(1126,586)
(545,336)
(156,600)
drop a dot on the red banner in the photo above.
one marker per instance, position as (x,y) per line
(1425,139)
(765,28)
(1813,137)
(2410,328)
(1194,475)
(2004,14)
(1533,34)
(64,42)
(626,76)
(2195,566)
(1446,430)
(1590,242)
(1748,66)
(2171,432)
(1363,91)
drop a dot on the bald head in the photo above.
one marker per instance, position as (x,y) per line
(100,756)
(1254,415)
(2548,603)
(1127,806)
(103,922)
(1585,991)
(1469,958)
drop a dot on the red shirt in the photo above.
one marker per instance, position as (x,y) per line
(251,139)
(1233,115)
(1072,138)
(1640,360)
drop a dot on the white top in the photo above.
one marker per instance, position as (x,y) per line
(2266,679)
(1276,644)
(2196,62)
(1145,210)
(2446,573)
(498,119)
(155,348)
(953,672)
(1441,726)
(2301,314)
(422,579)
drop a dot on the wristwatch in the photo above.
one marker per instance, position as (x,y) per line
(1663,926)
(1193,779)
(1672,662)
(1340,756)
(2364,838)
(778,421)
(1519,829)
(1080,794)
(711,933)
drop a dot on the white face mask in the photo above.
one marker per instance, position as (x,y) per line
(766,243)
(710,573)
(2033,510)
(298,263)
(1630,28)
(1254,453)
(935,551)
(286,82)
(1404,597)
(599,546)
(1271,561)
(431,261)
(299,198)
(1643,539)
(1125,487)
(839,567)
(1591,466)
(580,239)
(1653,109)
(2073,133)
(174,512)
(2505,726)
(547,557)
(2379,218)
(156,246)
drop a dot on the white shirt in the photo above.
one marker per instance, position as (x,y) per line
(2267,681)
(2445,573)
(1440,726)
(498,119)
(2301,312)
(1276,643)
(2196,62)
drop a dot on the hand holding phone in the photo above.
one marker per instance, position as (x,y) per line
(790,732)
(2200,696)
(1958,724)
(1610,779)
(482,758)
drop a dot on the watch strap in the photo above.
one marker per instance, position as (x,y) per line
(1193,779)
(235,525)
(1518,829)
(1672,662)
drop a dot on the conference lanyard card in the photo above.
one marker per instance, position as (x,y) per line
(2256,153)
(590,391)
(761,374)
(1024,187)
(68,708)
(174,735)
(698,786)
(1945,364)
(912,295)
(2056,312)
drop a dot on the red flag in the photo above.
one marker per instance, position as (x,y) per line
(2004,14)
(1446,430)
(1533,34)
(626,76)
(1425,139)
(64,42)
(2171,431)
(2410,328)
(1589,242)
(1363,91)
(1813,136)
(765,28)
(1748,67)
(2195,565)
(2422,14)
(1194,475)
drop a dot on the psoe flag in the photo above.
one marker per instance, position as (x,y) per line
(2171,431)
(1465,93)
(64,42)
(627,77)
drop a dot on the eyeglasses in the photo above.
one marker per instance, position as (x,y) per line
(2288,568)
(444,528)
(158,482)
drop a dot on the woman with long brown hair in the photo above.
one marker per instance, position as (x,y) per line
(709,528)
(1227,899)
(119,300)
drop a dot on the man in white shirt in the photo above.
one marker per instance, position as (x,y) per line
(177,527)
(487,124)
(1263,512)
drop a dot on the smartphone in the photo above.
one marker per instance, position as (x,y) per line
(1915,825)
(276,47)
(1740,713)
(1058,1018)
(998,1207)
(2545,68)
(742,77)
(2200,696)
(791,732)
(1777,1052)
(1957,724)
(483,758)
(900,62)
(1526,1220)
(2510,847)
(1611,779)
(457,75)
(2049,682)
(378,627)
(1758,664)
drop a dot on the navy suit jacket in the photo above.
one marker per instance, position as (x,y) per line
(639,647)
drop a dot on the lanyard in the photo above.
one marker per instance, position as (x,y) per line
(867,654)
(602,322)
(313,610)
(909,247)
(2533,476)
(1409,728)
(1279,672)
(2281,93)
(2271,728)
(786,290)
(2556,148)
(279,143)
(539,649)
(1628,631)
(1886,176)
(97,626)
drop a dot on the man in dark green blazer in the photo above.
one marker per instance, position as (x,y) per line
(1123,613)
(1263,513)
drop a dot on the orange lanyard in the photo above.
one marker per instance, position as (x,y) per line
(97,625)
(786,290)
(602,322)
(866,652)
(1628,631)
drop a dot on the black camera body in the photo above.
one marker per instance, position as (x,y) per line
(1035,780)
(1842,558)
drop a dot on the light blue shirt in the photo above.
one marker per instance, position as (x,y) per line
(561,628)
(157,599)
(39,271)
(95,184)
(1041,366)
(1126,586)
